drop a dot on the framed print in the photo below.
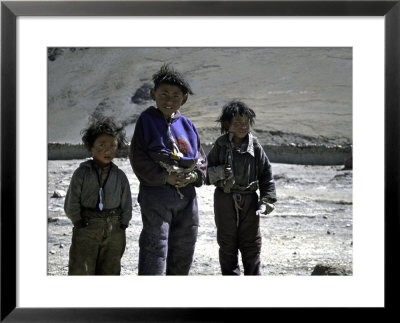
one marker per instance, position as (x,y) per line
(373,29)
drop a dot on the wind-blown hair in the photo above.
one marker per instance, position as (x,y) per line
(167,75)
(233,109)
(103,125)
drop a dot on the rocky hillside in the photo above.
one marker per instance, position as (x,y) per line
(302,96)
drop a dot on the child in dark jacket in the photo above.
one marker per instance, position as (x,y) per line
(238,167)
(99,204)
(167,158)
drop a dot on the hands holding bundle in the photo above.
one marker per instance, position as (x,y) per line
(182,179)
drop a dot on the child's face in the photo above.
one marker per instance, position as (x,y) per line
(239,126)
(169,98)
(104,149)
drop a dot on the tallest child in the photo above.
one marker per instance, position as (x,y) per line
(169,162)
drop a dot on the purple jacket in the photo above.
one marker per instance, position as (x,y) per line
(149,146)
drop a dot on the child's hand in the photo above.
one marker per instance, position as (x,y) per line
(266,208)
(184,179)
(172,179)
(229,180)
(228,172)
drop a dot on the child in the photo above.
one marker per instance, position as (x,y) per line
(169,161)
(238,166)
(99,204)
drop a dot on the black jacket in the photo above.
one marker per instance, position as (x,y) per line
(250,165)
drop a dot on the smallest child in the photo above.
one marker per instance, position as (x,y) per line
(239,167)
(99,203)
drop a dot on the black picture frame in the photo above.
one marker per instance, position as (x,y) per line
(10,10)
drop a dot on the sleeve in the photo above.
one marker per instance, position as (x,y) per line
(201,167)
(215,171)
(146,170)
(72,203)
(265,178)
(126,200)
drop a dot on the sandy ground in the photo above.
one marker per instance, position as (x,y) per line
(311,225)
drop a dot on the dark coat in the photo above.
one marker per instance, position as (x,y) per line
(83,192)
(249,165)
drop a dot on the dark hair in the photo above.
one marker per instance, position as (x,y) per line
(103,125)
(167,75)
(233,109)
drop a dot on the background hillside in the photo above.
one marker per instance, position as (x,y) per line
(300,95)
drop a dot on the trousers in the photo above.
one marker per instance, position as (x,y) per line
(170,226)
(238,229)
(97,249)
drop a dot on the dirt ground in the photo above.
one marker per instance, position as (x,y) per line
(302,232)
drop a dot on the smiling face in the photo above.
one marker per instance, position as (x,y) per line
(169,98)
(240,127)
(104,149)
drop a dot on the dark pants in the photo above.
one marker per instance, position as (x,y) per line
(97,249)
(169,233)
(238,234)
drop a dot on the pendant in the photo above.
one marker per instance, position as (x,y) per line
(101,199)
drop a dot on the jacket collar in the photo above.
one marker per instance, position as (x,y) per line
(156,112)
(248,143)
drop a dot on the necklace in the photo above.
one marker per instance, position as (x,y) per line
(106,172)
